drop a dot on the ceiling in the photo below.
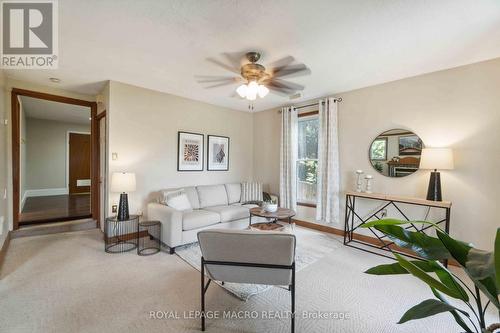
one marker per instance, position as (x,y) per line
(49,110)
(163,45)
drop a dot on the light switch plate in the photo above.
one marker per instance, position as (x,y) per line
(114,156)
(114,209)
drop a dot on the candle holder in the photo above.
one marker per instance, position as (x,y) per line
(359,181)
(368,188)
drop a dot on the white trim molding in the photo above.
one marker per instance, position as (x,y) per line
(46,192)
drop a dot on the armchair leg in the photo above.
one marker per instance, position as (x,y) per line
(172,250)
(292,289)
(202,294)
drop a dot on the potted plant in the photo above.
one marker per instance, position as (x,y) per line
(270,205)
(481,267)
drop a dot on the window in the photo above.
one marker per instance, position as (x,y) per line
(378,149)
(307,161)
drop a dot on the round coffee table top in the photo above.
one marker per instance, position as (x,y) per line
(281,213)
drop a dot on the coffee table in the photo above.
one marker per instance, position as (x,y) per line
(280,214)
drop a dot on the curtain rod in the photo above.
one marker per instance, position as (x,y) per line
(305,106)
(339,99)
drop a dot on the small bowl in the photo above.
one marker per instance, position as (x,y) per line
(271,208)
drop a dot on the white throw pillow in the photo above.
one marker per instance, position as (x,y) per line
(178,200)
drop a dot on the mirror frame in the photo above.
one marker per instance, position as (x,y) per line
(381,133)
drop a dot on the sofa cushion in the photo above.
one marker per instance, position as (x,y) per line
(233,192)
(199,218)
(212,195)
(190,191)
(230,213)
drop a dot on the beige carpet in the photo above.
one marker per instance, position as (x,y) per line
(67,283)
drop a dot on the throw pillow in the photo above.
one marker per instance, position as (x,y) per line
(178,200)
(251,192)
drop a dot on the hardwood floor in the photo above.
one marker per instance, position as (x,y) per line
(55,208)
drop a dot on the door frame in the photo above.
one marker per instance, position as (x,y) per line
(16,146)
(67,153)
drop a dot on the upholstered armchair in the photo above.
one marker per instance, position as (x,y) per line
(247,256)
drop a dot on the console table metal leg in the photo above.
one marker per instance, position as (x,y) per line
(346,220)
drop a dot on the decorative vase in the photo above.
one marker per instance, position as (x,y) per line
(368,188)
(359,181)
(270,207)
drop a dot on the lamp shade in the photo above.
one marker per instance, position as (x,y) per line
(437,158)
(123,182)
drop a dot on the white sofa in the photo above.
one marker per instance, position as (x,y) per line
(214,206)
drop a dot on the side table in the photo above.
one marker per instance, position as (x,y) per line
(120,236)
(149,238)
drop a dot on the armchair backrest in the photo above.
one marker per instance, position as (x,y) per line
(269,252)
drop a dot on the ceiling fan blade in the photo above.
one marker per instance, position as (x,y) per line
(280,91)
(236,59)
(223,65)
(210,79)
(285,61)
(284,84)
(291,71)
(227,83)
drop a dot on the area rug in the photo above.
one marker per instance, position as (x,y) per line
(311,246)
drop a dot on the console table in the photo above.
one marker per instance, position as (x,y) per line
(353,221)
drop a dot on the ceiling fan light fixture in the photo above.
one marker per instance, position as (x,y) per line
(262,91)
(242,90)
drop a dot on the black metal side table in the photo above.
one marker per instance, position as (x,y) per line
(120,236)
(149,238)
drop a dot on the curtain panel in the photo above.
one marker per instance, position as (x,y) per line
(328,179)
(288,158)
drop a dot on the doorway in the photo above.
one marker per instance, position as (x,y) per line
(54,158)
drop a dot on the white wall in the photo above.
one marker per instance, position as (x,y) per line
(46,143)
(143,126)
(4,220)
(458,108)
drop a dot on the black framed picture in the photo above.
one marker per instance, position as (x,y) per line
(190,151)
(218,153)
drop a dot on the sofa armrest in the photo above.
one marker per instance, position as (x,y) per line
(171,220)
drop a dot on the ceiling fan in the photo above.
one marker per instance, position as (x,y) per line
(256,80)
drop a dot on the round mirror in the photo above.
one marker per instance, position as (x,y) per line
(396,153)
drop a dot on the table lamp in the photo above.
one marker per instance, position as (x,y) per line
(436,159)
(123,182)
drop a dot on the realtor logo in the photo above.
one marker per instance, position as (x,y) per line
(29,34)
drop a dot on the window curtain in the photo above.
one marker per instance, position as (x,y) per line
(327,194)
(288,158)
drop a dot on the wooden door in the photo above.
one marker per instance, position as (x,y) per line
(79,163)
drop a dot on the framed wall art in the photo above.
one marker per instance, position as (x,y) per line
(190,151)
(218,153)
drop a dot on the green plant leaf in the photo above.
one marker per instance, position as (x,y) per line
(372,224)
(497,258)
(460,252)
(425,246)
(427,266)
(454,312)
(427,308)
(447,279)
(396,268)
(432,282)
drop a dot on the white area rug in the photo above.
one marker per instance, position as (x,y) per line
(311,246)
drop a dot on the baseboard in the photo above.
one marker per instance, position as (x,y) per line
(23,201)
(359,237)
(46,192)
(4,248)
